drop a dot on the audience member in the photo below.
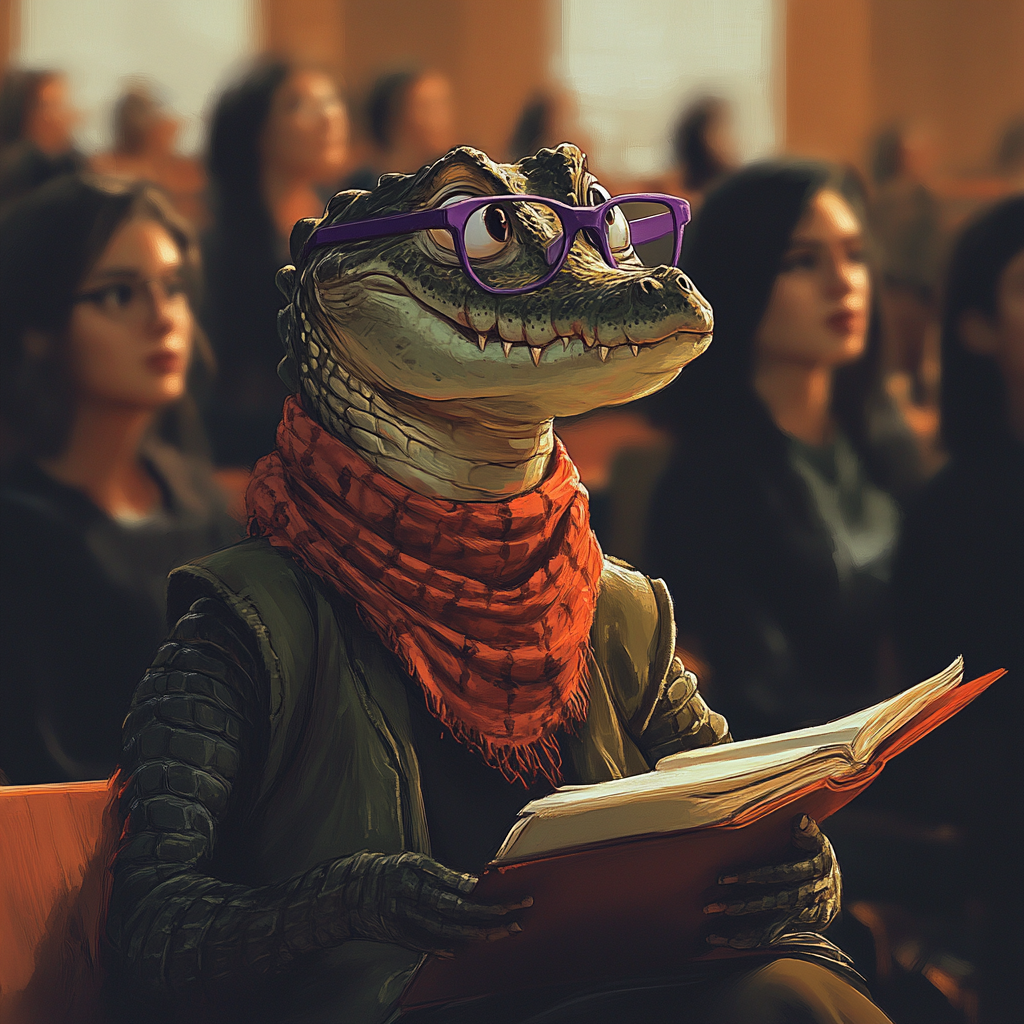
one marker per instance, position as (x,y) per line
(958,588)
(1009,155)
(36,121)
(279,135)
(549,118)
(411,121)
(906,231)
(96,509)
(704,148)
(144,147)
(776,519)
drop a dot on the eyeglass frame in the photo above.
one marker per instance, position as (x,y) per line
(454,217)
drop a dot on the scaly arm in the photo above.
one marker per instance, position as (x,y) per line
(193,745)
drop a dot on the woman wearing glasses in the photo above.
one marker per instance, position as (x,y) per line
(278,144)
(96,342)
(775,524)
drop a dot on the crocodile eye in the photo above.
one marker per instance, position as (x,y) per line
(487,232)
(616,229)
(598,194)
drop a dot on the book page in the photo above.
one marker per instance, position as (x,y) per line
(891,715)
(697,788)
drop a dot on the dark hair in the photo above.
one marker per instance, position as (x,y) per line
(733,253)
(888,154)
(972,397)
(385,102)
(133,112)
(18,95)
(234,157)
(48,242)
(532,129)
(1009,156)
(701,164)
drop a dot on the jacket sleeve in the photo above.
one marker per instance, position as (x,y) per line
(194,741)
(634,638)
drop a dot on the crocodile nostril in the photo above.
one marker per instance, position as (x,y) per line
(685,283)
(648,286)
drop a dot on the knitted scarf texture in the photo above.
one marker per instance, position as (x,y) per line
(488,605)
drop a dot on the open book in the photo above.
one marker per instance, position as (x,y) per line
(620,870)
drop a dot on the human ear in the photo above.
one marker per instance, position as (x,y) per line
(978,334)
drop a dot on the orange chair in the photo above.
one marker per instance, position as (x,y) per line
(55,847)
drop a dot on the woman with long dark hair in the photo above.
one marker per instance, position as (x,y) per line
(958,588)
(775,523)
(96,342)
(36,121)
(279,136)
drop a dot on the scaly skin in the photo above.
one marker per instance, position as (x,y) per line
(448,388)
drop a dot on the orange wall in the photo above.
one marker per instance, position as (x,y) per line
(495,57)
(854,65)
(828,77)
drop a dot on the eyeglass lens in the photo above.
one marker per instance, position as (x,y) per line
(649,227)
(491,232)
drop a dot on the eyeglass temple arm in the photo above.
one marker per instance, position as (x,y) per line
(360,231)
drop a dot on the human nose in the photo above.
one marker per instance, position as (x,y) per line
(161,306)
(842,274)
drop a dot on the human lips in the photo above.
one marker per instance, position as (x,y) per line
(845,321)
(166,361)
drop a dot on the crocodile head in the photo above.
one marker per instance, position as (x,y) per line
(395,322)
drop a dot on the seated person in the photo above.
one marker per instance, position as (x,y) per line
(96,508)
(958,587)
(422,633)
(775,522)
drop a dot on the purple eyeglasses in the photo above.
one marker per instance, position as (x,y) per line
(479,230)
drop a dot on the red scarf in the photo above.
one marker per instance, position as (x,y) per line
(487,604)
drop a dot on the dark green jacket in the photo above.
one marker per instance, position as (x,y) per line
(341,772)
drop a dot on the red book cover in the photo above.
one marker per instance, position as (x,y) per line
(633,907)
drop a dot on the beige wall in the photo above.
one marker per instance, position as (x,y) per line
(495,56)
(853,65)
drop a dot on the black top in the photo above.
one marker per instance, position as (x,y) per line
(778,566)
(24,167)
(958,588)
(470,805)
(240,316)
(82,610)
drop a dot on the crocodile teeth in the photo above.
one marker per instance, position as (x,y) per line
(506,347)
(604,352)
(589,342)
(635,349)
(535,354)
(481,340)
(565,343)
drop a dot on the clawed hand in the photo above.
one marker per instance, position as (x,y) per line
(805,894)
(414,901)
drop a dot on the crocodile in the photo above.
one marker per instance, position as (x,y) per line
(453,390)
(437,568)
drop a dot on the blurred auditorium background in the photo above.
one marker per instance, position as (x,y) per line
(838,79)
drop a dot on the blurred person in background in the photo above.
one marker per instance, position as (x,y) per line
(550,117)
(96,341)
(958,587)
(1009,156)
(36,124)
(278,143)
(906,231)
(775,522)
(145,133)
(410,118)
(704,148)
